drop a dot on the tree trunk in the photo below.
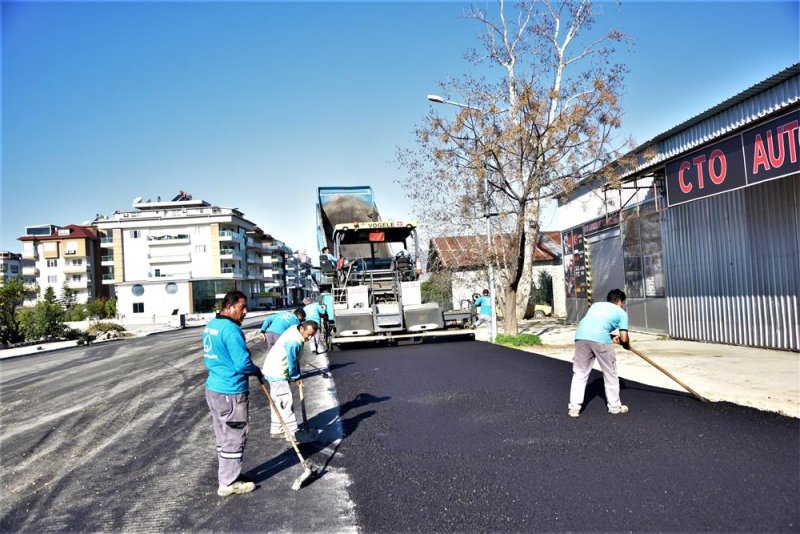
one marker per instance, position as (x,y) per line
(510,325)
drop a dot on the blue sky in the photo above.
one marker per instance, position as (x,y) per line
(255,105)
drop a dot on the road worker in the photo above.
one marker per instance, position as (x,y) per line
(227,393)
(593,340)
(314,312)
(281,365)
(275,325)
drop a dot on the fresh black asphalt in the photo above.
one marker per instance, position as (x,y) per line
(467,436)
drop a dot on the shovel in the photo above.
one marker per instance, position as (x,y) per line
(310,434)
(654,364)
(309,472)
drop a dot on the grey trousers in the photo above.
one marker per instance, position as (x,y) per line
(282,397)
(272,337)
(229,417)
(585,353)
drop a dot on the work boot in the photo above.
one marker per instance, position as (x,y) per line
(303,437)
(618,410)
(574,412)
(237,487)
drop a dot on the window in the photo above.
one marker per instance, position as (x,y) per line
(76,278)
(15,268)
(52,278)
(138,307)
(3,268)
(200,248)
(52,263)
(77,263)
(642,251)
(137,290)
(136,234)
(171,288)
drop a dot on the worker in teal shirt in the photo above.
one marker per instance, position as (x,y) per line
(275,325)
(315,312)
(593,340)
(227,393)
(484,306)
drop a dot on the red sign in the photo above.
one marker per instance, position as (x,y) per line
(765,152)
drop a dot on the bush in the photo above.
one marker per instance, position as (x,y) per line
(111,308)
(77,312)
(520,340)
(43,321)
(101,327)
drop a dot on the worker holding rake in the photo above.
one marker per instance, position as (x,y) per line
(281,365)
(593,340)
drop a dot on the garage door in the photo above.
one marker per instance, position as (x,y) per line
(606,263)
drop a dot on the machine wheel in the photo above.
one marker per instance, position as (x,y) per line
(538,314)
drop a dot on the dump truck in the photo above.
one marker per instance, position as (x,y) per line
(375,293)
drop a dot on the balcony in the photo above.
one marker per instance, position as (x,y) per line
(170,258)
(106,242)
(227,235)
(30,271)
(68,269)
(252,258)
(32,287)
(160,275)
(230,272)
(77,284)
(177,239)
(252,243)
(107,261)
(108,278)
(30,255)
(229,254)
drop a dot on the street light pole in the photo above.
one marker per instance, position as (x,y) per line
(492,295)
(487,213)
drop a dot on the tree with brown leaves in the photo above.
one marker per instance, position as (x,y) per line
(544,124)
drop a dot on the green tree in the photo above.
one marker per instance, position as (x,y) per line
(542,292)
(46,319)
(12,295)
(111,308)
(68,296)
(96,308)
(438,288)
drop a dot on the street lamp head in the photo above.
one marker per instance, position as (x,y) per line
(436,98)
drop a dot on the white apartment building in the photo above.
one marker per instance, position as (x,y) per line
(10,266)
(61,256)
(179,256)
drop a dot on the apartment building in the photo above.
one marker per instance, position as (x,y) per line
(179,256)
(274,253)
(59,257)
(10,266)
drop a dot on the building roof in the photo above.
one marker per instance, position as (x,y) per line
(76,232)
(774,94)
(464,252)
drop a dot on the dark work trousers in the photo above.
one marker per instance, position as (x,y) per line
(229,417)
(272,337)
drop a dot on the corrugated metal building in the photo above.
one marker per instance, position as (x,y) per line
(707,241)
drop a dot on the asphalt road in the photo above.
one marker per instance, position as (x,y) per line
(469,437)
(117,437)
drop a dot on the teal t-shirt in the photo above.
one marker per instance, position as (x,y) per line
(601,319)
(484,305)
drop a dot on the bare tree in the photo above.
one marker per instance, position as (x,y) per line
(540,126)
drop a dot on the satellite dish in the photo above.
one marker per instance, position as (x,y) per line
(137,200)
(86,223)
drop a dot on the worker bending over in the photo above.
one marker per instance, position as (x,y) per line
(275,325)
(282,365)
(593,340)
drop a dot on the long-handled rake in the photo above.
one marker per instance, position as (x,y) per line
(654,364)
(309,472)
